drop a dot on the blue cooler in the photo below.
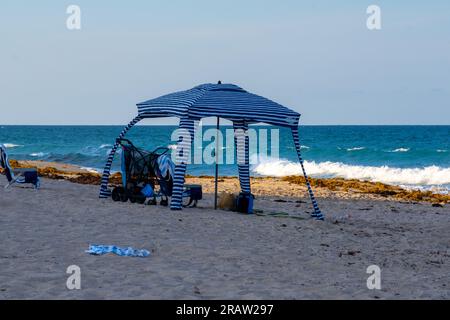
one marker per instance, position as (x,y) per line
(244,203)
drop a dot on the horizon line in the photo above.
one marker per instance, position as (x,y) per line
(212,124)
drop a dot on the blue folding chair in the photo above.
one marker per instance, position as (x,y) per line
(21,176)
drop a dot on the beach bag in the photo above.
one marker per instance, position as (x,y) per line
(193,191)
(147,191)
(244,203)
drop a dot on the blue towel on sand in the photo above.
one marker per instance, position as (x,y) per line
(125,252)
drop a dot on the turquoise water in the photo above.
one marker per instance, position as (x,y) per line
(416,156)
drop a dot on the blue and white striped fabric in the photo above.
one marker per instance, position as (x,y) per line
(104,191)
(226,101)
(241,142)
(317,213)
(99,250)
(183,152)
(166,165)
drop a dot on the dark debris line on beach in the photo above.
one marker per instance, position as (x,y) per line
(333,184)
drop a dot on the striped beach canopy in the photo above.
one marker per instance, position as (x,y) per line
(226,101)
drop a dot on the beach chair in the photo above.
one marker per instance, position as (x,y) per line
(21,176)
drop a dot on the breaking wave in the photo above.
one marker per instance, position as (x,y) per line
(91,170)
(355,149)
(432,175)
(38,154)
(12,145)
(401,150)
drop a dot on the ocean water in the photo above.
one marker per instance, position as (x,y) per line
(410,156)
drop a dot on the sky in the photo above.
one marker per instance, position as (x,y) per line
(316,57)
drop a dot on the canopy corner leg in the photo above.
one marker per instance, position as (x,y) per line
(241,141)
(104,191)
(317,214)
(186,137)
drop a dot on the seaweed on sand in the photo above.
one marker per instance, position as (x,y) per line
(375,188)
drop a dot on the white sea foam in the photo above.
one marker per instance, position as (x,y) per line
(172,146)
(356,149)
(108,148)
(12,145)
(92,170)
(96,151)
(438,189)
(401,150)
(432,175)
(301,147)
(441,151)
(37,154)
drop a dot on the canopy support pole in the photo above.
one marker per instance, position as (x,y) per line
(317,213)
(217,164)
(241,142)
(186,137)
(104,191)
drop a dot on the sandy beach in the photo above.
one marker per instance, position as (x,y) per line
(326,122)
(205,254)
